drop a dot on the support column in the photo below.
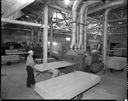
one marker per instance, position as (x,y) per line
(38,36)
(45,35)
(51,36)
(105,27)
(32,34)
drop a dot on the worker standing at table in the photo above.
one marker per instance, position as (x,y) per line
(30,69)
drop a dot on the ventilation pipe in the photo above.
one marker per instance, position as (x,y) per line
(77,33)
(85,31)
(105,27)
(109,5)
(84,8)
(74,21)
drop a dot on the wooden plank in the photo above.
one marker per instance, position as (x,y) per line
(52,65)
(66,86)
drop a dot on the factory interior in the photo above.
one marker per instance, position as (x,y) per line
(79,49)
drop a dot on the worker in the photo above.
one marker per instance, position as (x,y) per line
(96,65)
(88,60)
(30,69)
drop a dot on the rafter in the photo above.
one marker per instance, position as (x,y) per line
(116,15)
(116,20)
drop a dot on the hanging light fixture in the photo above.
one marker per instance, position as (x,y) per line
(67,2)
(67,38)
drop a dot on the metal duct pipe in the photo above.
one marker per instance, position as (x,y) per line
(85,31)
(77,33)
(74,15)
(83,8)
(105,6)
(105,27)
(109,5)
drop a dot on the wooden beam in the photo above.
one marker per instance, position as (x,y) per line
(17,29)
(20,4)
(21,22)
(110,21)
(116,15)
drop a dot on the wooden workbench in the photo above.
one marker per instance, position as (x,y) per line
(53,65)
(66,86)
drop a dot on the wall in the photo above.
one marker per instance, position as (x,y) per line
(17,36)
(10,35)
(119,38)
(61,39)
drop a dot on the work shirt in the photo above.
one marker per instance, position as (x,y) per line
(88,60)
(30,61)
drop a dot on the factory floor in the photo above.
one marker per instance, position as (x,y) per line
(13,84)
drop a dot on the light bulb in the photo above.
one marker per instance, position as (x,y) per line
(67,2)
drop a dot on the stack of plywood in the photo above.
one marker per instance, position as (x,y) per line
(120,51)
(10,58)
(117,63)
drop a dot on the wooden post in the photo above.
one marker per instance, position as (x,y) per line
(45,34)
(32,34)
(51,36)
(38,36)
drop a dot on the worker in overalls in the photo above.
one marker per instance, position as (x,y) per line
(30,69)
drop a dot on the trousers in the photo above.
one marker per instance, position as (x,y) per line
(30,76)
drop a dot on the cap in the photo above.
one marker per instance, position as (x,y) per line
(30,51)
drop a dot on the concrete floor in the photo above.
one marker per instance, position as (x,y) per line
(13,84)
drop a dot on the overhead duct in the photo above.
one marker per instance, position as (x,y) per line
(74,21)
(82,10)
(105,6)
(109,5)
(77,33)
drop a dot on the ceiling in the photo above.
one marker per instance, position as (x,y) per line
(32,11)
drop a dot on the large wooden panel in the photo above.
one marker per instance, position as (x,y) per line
(66,86)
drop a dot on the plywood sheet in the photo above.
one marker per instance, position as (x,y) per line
(66,86)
